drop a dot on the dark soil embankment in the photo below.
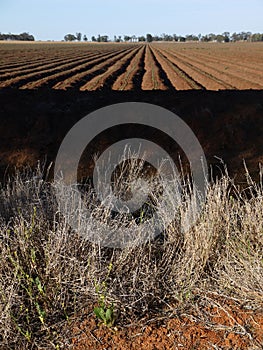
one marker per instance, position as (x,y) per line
(228,124)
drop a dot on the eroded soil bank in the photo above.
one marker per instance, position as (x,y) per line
(228,125)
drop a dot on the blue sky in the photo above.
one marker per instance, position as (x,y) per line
(52,19)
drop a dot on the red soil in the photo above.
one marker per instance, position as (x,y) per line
(226,326)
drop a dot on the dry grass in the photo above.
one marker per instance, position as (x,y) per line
(48,272)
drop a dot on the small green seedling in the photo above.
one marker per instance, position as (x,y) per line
(105,314)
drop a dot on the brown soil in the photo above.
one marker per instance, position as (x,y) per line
(226,326)
(90,70)
(178,82)
(117,66)
(64,73)
(125,80)
(231,63)
(36,75)
(152,79)
(230,78)
(197,79)
(30,68)
(244,57)
(166,66)
(209,81)
(41,58)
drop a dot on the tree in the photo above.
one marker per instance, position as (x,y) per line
(181,39)
(149,38)
(93,38)
(175,37)
(248,36)
(22,37)
(156,38)
(205,38)
(245,36)
(70,37)
(234,37)
(220,38)
(117,39)
(191,37)
(166,37)
(226,36)
(257,37)
(85,38)
(78,36)
(103,38)
(212,37)
(127,38)
(141,38)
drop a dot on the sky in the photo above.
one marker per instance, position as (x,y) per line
(53,19)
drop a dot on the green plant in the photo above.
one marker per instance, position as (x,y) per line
(104,312)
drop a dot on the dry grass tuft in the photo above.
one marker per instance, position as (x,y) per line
(48,272)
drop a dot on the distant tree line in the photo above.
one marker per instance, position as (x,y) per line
(22,37)
(100,38)
(224,37)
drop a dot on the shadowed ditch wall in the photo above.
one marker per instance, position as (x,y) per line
(228,125)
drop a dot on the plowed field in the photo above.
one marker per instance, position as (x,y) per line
(131,66)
